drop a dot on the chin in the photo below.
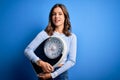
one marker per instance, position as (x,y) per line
(57,24)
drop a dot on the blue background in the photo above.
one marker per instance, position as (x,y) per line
(95,22)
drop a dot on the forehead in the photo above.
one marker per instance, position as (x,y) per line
(57,9)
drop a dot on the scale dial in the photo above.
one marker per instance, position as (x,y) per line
(53,47)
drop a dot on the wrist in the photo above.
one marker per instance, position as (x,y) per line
(39,63)
(54,74)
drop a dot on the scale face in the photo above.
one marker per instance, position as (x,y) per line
(51,50)
(53,47)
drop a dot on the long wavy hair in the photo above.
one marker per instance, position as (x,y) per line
(67,25)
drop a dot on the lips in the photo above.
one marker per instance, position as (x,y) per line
(56,21)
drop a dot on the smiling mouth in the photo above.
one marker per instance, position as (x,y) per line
(57,21)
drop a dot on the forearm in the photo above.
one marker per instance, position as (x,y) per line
(29,51)
(62,69)
(71,58)
(31,55)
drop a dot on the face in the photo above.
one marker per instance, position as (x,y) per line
(58,17)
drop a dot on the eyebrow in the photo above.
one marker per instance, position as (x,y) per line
(57,12)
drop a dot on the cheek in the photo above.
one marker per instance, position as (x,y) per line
(53,18)
(63,19)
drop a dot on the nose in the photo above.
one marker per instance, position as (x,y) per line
(57,15)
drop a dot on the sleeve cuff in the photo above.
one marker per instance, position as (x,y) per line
(36,59)
(54,74)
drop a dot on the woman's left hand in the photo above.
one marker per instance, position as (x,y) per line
(44,76)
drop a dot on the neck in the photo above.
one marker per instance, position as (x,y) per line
(59,29)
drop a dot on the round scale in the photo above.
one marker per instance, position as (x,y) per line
(51,50)
(53,47)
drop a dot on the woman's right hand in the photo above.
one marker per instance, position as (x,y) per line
(46,67)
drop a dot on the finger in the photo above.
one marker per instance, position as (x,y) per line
(50,67)
(47,67)
(38,75)
(42,76)
(46,70)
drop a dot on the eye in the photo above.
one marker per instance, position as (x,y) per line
(53,14)
(60,14)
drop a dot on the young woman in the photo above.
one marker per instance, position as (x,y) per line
(59,25)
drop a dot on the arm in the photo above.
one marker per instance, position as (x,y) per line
(29,51)
(71,58)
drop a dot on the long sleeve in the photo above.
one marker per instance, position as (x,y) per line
(71,59)
(29,51)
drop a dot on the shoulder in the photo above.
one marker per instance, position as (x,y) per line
(42,34)
(73,36)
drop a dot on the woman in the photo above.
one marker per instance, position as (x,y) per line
(59,25)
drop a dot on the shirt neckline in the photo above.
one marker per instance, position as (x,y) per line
(58,34)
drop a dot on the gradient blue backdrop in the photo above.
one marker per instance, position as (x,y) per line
(95,22)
